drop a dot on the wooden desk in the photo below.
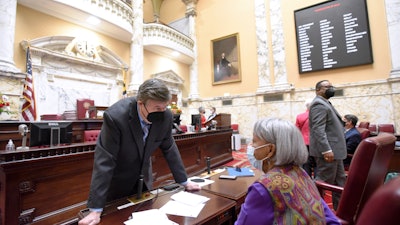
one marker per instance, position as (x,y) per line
(394,165)
(232,189)
(48,185)
(218,210)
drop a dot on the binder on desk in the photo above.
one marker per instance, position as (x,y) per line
(243,172)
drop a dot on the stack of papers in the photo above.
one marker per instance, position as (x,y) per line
(149,217)
(185,204)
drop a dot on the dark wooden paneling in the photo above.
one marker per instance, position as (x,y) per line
(50,185)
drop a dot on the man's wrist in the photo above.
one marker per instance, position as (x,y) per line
(96,210)
(323,153)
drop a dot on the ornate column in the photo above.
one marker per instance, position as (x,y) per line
(262,46)
(393,21)
(278,46)
(194,78)
(136,58)
(8,10)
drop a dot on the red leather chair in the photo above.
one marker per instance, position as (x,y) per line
(364,132)
(363,124)
(235,127)
(183,128)
(383,207)
(90,135)
(386,127)
(366,174)
(372,128)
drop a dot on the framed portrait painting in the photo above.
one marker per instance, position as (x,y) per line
(225,59)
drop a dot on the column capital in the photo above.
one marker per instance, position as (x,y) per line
(190,7)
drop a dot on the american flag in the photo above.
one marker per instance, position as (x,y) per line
(28,106)
(124,93)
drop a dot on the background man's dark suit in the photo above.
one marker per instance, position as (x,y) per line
(327,133)
(121,127)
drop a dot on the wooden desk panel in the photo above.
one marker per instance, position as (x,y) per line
(394,165)
(218,210)
(50,185)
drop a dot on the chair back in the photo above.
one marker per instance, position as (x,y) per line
(383,207)
(372,127)
(183,128)
(367,172)
(363,124)
(90,135)
(364,132)
(386,127)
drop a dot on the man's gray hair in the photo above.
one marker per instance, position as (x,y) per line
(153,89)
(290,146)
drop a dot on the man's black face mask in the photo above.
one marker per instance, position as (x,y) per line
(155,117)
(330,92)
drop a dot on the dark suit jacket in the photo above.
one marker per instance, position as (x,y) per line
(120,152)
(326,129)
(353,138)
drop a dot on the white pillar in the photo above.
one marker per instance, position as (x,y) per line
(262,46)
(136,58)
(194,77)
(393,21)
(278,46)
(8,10)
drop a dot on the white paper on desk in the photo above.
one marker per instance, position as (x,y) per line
(201,184)
(149,217)
(181,209)
(188,198)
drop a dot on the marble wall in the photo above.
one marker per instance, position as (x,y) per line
(374,101)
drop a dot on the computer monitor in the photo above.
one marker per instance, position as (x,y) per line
(51,133)
(196,121)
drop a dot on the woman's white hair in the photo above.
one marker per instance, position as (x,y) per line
(289,143)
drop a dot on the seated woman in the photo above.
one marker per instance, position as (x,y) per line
(353,137)
(285,194)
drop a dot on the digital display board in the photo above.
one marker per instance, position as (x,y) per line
(333,34)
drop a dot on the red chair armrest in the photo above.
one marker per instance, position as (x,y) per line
(321,185)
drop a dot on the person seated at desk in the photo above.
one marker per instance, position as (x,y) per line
(285,194)
(353,137)
(133,128)
(202,112)
(213,113)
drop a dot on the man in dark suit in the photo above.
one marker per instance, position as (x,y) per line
(352,136)
(133,128)
(327,142)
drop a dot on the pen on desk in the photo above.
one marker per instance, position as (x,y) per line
(125,205)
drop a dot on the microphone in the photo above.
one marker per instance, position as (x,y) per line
(139,192)
(208,165)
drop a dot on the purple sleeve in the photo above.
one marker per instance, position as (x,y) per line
(258,207)
(331,219)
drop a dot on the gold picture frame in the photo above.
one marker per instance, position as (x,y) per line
(225,56)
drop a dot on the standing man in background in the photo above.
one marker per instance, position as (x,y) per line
(303,125)
(133,128)
(327,142)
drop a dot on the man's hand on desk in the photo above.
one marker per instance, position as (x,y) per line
(192,186)
(92,218)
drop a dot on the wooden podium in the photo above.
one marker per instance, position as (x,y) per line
(223,121)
